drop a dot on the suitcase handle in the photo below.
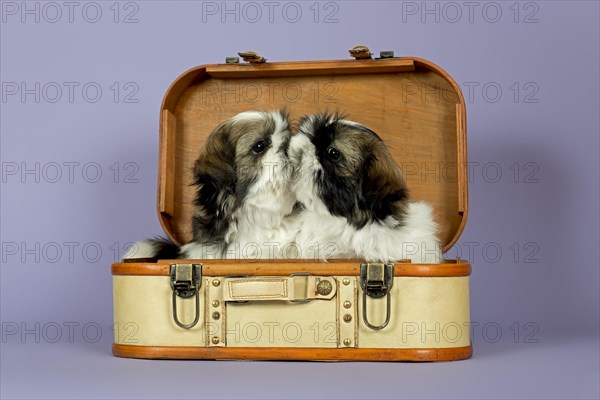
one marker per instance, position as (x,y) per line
(294,288)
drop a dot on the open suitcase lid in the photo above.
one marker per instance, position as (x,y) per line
(414,105)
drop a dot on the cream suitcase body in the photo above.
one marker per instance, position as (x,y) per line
(305,309)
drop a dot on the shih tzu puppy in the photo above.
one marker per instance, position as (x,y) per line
(243,193)
(356,202)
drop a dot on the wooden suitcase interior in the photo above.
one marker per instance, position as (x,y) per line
(411,103)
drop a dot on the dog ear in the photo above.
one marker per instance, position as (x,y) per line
(384,190)
(215,178)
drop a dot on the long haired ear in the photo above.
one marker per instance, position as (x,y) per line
(214,175)
(384,190)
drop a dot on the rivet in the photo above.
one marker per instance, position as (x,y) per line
(324,288)
(215,340)
(347,342)
(216,315)
(347,304)
(216,303)
(346,281)
(216,282)
(347,318)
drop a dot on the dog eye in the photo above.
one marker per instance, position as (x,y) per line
(333,153)
(259,147)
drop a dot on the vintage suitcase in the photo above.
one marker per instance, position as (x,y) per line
(306,309)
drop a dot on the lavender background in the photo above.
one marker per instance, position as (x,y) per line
(544,296)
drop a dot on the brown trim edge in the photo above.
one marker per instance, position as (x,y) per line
(267,268)
(291,354)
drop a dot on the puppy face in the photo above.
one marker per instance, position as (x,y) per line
(243,163)
(346,170)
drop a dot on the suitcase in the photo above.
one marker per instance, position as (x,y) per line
(306,309)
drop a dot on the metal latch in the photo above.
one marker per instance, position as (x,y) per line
(376,280)
(360,52)
(252,57)
(186,280)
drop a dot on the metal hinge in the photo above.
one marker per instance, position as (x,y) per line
(186,280)
(376,280)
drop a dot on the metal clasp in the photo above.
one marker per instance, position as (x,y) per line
(360,52)
(252,57)
(376,280)
(186,280)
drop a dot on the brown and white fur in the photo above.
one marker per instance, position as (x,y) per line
(243,193)
(355,197)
